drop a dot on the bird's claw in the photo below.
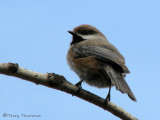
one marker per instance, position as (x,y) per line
(78,85)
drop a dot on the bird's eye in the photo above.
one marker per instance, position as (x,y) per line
(86,32)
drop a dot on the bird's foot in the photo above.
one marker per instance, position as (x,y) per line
(79,85)
(108,98)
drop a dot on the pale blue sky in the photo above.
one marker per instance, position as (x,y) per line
(33,33)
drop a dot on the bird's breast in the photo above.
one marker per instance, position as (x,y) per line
(88,68)
(82,64)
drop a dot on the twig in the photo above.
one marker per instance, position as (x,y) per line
(60,83)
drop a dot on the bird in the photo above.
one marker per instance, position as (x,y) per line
(96,61)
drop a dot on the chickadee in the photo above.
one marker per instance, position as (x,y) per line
(96,61)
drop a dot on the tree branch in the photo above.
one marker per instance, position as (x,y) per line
(60,83)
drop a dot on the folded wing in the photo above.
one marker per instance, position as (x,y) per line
(106,53)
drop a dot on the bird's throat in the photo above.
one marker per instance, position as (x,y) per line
(76,39)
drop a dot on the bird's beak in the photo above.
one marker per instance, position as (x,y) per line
(72,33)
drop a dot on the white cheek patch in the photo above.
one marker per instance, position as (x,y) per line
(92,37)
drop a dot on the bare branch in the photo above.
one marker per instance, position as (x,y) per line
(60,83)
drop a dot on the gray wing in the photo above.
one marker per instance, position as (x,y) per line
(106,53)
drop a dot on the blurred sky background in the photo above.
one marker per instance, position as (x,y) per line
(33,33)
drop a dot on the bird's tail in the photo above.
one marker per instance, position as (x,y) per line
(118,80)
